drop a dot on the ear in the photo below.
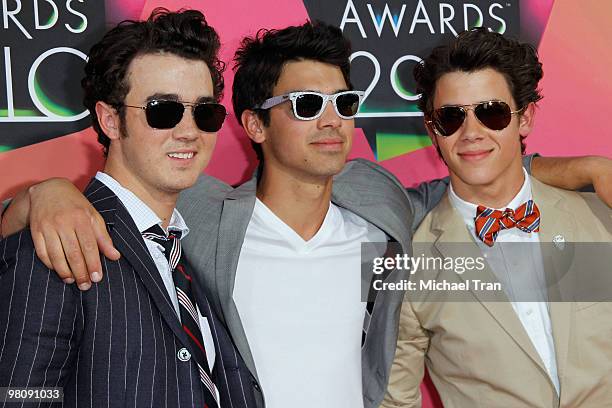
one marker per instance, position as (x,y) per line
(108,118)
(526,120)
(253,126)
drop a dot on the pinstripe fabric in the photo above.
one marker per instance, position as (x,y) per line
(115,345)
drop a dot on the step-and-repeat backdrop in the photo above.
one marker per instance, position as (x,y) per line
(44,129)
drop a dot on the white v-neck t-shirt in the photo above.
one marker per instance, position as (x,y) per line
(300,306)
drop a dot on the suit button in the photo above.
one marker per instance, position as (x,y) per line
(183,354)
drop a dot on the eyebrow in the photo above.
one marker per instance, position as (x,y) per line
(175,97)
(205,99)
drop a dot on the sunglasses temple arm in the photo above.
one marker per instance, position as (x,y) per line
(271,102)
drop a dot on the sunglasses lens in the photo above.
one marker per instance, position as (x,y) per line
(448,119)
(164,114)
(348,104)
(495,115)
(209,116)
(308,105)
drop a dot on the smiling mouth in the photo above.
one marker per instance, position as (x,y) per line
(183,156)
(475,155)
(328,142)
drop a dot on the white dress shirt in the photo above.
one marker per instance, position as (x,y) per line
(520,269)
(145,218)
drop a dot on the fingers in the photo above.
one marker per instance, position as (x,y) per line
(49,250)
(88,249)
(68,230)
(68,246)
(76,260)
(103,239)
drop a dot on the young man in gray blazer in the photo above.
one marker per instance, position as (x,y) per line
(282,251)
(147,335)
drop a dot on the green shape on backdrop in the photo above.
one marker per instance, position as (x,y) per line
(18,112)
(5,148)
(390,145)
(389,109)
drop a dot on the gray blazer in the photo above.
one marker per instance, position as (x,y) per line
(218,217)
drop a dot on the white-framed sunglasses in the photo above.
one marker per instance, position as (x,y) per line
(309,105)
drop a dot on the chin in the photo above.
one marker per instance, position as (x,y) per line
(480,178)
(331,170)
(179,184)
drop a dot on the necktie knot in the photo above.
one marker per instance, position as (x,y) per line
(171,243)
(490,222)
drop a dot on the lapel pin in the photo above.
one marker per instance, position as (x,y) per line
(559,242)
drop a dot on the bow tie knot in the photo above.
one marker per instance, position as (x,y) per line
(490,222)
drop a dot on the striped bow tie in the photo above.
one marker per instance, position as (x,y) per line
(489,222)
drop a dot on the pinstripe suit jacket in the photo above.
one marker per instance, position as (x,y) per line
(115,345)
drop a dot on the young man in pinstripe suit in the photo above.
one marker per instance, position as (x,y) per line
(147,335)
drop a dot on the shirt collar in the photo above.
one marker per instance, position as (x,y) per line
(467,210)
(144,217)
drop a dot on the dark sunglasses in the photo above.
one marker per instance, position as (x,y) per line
(310,105)
(162,114)
(495,115)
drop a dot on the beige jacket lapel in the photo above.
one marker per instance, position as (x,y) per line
(450,229)
(556,224)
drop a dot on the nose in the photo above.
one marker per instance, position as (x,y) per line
(186,129)
(472,129)
(329,117)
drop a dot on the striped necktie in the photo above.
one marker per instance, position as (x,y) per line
(188,312)
(489,222)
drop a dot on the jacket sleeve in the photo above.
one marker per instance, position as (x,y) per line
(41,319)
(408,365)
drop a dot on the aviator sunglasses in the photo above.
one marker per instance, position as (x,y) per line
(495,115)
(309,105)
(163,114)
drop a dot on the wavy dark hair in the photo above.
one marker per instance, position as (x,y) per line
(259,62)
(478,49)
(184,33)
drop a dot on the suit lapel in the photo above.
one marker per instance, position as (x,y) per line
(556,221)
(129,242)
(451,230)
(237,210)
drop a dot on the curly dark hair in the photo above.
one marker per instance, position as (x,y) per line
(184,33)
(478,49)
(259,62)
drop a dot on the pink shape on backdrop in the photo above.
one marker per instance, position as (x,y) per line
(575,50)
(534,17)
(420,165)
(77,156)
(119,10)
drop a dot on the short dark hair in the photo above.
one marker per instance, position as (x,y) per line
(479,49)
(184,33)
(259,62)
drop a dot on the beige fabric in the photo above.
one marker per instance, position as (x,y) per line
(478,353)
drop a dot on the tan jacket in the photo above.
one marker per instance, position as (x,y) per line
(478,353)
